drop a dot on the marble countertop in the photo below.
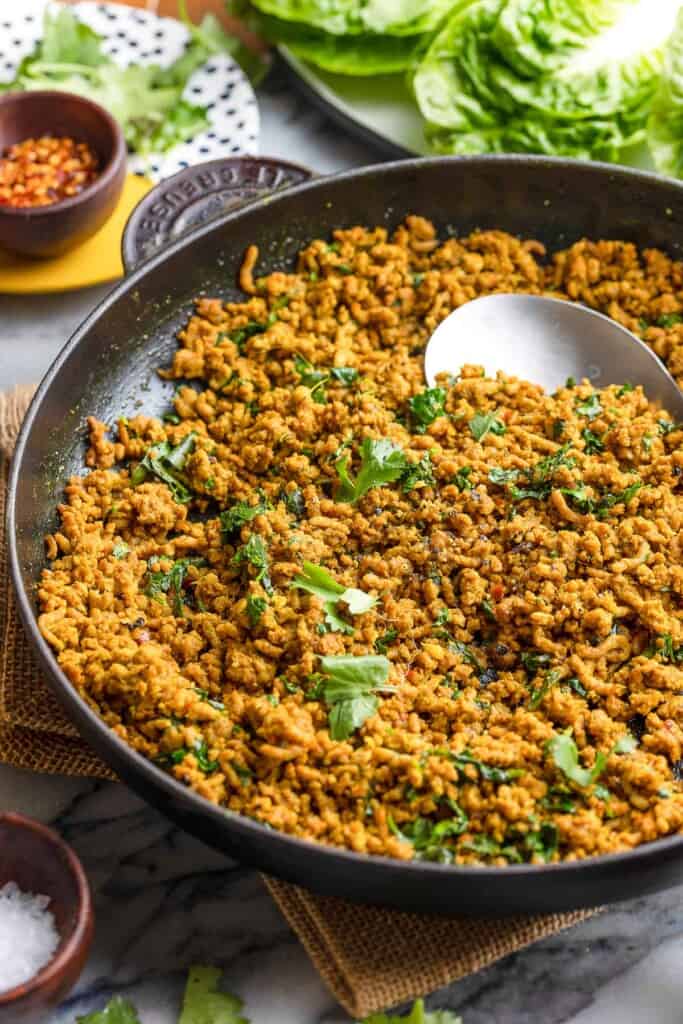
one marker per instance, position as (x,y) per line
(165,901)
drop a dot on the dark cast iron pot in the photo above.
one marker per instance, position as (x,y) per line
(109,367)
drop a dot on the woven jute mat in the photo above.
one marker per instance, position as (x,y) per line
(369,957)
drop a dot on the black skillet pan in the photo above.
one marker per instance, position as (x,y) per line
(108,369)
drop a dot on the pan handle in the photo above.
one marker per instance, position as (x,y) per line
(198,194)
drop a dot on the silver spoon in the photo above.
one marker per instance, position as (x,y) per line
(546,341)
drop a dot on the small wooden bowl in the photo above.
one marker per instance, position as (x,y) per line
(35,857)
(50,230)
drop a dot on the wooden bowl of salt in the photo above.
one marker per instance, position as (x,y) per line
(46,919)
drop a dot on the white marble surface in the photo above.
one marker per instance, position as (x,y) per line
(164,901)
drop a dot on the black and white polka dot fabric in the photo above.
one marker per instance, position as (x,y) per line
(140,37)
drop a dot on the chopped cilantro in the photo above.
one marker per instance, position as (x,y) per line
(538,693)
(429,838)
(166,463)
(349,686)
(600,507)
(415,473)
(255,553)
(576,686)
(534,660)
(256,606)
(564,753)
(482,424)
(382,462)
(669,652)
(669,320)
(502,476)
(234,518)
(589,407)
(172,582)
(667,426)
(426,407)
(462,479)
(558,428)
(485,846)
(624,389)
(382,643)
(593,443)
(171,417)
(201,753)
(294,502)
(316,580)
(344,374)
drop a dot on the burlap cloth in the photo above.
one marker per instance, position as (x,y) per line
(370,958)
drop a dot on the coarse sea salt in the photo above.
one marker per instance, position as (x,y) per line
(28,936)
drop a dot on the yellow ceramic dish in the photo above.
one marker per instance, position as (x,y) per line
(96,261)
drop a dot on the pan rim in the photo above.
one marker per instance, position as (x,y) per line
(115,749)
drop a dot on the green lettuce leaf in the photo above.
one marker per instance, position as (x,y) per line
(117,1011)
(566,77)
(203,1003)
(353,54)
(355,17)
(665,124)
(418,1015)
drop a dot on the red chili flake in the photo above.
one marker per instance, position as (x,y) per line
(40,172)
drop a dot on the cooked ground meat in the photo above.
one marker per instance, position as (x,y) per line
(441,623)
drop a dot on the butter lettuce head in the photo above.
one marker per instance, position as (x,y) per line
(356,17)
(567,77)
(665,125)
(345,55)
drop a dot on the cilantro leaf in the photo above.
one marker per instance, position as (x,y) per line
(166,463)
(589,407)
(428,837)
(382,643)
(668,426)
(564,753)
(426,407)
(255,553)
(172,582)
(416,473)
(234,518)
(502,476)
(348,687)
(462,479)
(255,608)
(482,424)
(538,693)
(593,442)
(204,1003)
(669,320)
(318,581)
(382,462)
(344,374)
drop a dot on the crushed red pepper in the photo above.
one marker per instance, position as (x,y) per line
(44,171)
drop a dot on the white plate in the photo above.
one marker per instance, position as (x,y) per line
(140,37)
(379,109)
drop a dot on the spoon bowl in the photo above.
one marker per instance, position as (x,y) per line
(546,341)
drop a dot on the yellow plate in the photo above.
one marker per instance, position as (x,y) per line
(94,262)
